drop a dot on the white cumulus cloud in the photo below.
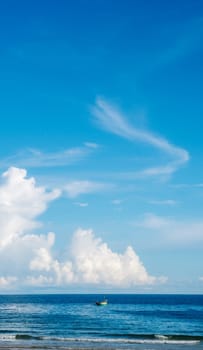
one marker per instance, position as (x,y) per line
(20,202)
(91,261)
(95,262)
(28,259)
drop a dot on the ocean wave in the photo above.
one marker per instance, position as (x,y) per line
(28,337)
(138,339)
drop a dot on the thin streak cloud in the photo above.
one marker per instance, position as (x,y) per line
(36,158)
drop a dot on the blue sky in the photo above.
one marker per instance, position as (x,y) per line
(101,146)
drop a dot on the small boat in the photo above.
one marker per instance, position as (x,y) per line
(102,302)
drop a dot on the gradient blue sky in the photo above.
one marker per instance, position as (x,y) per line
(101,104)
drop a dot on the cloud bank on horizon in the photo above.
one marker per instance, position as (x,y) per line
(29,259)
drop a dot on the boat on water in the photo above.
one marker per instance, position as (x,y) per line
(102,302)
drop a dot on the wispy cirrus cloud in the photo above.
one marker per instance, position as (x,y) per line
(169,202)
(172,230)
(186,186)
(36,158)
(117,201)
(81,204)
(112,120)
(183,42)
(91,145)
(75,188)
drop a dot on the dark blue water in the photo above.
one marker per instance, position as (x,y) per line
(128,321)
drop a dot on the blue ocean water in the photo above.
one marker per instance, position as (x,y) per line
(75,321)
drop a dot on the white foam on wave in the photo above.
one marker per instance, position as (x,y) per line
(161,337)
(160,340)
(7,337)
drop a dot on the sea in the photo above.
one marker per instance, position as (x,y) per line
(127,322)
